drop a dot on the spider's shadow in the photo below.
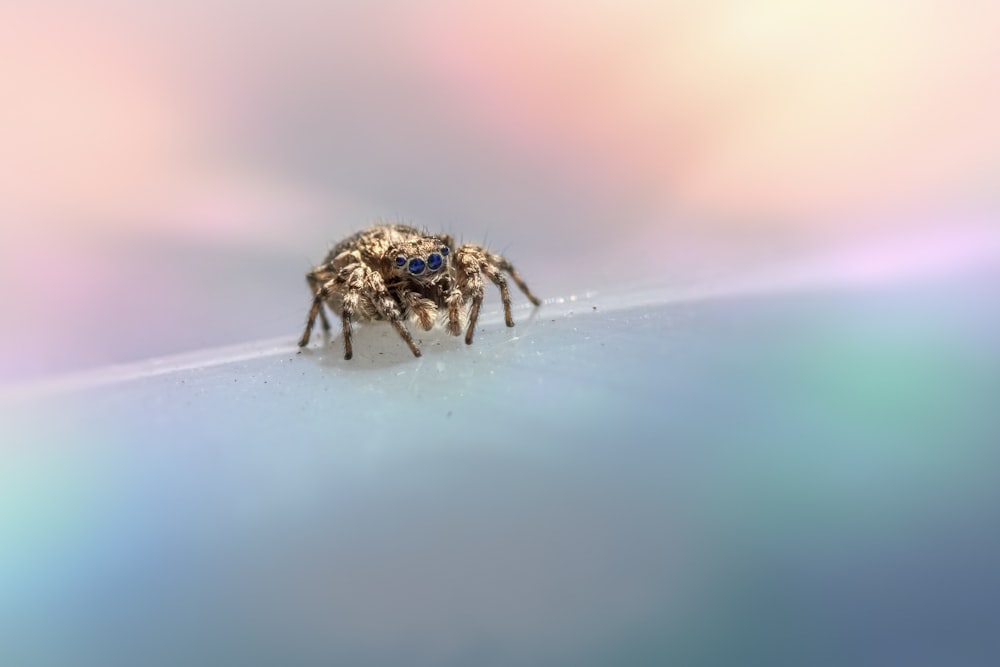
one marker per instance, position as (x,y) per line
(377,345)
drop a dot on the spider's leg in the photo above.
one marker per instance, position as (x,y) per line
(389,308)
(493,273)
(345,323)
(355,281)
(313,283)
(477,301)
(505,264)
(405,335)
(469,260)
(322,318)
(319,297)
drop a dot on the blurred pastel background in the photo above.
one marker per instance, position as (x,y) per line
(754,422)
(169,170)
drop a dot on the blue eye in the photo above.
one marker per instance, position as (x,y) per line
(400,261)
(434,261)
(416,266)
(444,251)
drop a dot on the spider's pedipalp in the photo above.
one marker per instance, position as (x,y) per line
(455,301)
(421,308)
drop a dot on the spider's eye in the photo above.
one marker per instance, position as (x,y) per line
(434,261)
(416,266)
(400,261)
(444,251)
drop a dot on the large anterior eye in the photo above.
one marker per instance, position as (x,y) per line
(434,261)
(416,266)
(400,261)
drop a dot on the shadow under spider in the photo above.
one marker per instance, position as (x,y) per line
(377,345)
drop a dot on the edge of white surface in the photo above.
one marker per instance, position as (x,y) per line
(869,266)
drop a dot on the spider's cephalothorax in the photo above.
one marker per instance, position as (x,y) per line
(397,273)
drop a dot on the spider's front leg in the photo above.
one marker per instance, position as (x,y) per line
(387,307)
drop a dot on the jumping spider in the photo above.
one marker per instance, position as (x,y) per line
(396,272)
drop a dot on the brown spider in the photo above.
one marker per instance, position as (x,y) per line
(396,272)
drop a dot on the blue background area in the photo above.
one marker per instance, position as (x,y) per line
(802,479)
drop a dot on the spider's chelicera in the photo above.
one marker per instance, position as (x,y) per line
(398,273)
